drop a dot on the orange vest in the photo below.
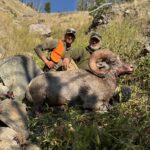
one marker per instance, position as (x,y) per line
(57,52)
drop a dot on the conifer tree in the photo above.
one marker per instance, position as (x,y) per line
(47,7)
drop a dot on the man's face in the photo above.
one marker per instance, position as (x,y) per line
(95,43)
(69,38)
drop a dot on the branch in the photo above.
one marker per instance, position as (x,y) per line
(101,6)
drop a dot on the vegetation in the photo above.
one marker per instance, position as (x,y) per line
(17,40)
(127,125)
(124,127)
(31,5)
(88,4)
(47,7)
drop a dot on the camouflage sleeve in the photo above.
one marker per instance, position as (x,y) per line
(48,45)
(74,54)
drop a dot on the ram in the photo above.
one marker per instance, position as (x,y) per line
(94,90)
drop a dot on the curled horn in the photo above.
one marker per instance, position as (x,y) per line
(100,54)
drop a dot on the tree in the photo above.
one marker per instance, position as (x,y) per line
(47,7)
(30,5)
(85,4)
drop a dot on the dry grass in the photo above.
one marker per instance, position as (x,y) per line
(16,38)
(119,36)
(65,20)
(123,127)
(14,35)
(15,8)
(122,37)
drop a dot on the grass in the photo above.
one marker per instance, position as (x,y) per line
(126,126)
(16,38)
(23,42)
(122,36)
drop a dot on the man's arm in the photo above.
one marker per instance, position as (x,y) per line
(43,47)
(39,52)
(72,54)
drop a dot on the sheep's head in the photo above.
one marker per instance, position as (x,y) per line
(115,64)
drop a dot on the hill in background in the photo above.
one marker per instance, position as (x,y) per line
(16,18)
(126,126)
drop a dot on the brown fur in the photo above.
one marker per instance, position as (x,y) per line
(59,88)
(65,87)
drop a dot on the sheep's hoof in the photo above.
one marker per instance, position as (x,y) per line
(61,108)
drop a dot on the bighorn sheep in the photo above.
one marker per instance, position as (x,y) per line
(59,88)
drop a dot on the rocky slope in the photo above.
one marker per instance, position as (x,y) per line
(15,8)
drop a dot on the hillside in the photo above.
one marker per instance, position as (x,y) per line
(16,19)
(127,124)
(15,8)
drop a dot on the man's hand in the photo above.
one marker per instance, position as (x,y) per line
(66,63)
(50,64)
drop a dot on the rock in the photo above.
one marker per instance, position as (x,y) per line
(122,94)
(7,142)
(32,147)
(98,20)
(7,133)
(3,91)
(8,139)
(146,49)
(2,52)
(9,145)
(147,46)
(148,33)
(132,12)
(126,93)
(16,73)
(14,115)
(42,29)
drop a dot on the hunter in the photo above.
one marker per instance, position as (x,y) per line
(82,56)
(56,49)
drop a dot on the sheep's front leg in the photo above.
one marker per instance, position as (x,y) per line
(96,105)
